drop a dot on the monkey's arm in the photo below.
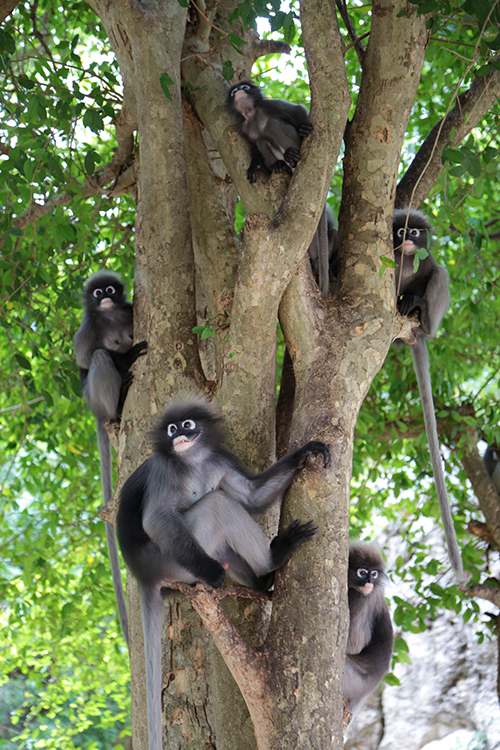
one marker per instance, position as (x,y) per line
(432,301)
(84,343)
(123,361)
(260,491)
(257,161)
(294,114)
(437,297)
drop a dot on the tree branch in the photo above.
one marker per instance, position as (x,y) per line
(426,167)
(485,591)
(246,664)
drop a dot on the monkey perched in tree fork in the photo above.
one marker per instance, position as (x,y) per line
(371,638)
(275,129)
(425,291)
(104,353)
(187,514)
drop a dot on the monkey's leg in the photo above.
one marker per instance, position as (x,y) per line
(217,521)
(102,387)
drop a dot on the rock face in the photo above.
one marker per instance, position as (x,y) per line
(449,686)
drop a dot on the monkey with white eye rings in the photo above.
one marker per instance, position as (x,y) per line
(104,353)
(426,291)
(187,515)
(275,128)
(371,639)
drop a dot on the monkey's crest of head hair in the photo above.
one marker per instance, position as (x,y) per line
(196,409)
(103,279)
(367,555)
(416,219)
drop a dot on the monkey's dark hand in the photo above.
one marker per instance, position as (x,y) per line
(252,174)
(292,157)
(138,350)
(408,303)
(213,573)
(312,448)
(305,129)
(292,537)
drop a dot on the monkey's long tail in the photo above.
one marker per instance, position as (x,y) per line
(152,621)
(322,231)
(107,491)
(422,371)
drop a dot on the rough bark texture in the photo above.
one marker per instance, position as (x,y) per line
(192,268)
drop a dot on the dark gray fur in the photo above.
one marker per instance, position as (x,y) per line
(275,128)
(491,460)
(104,352)
(370,641)
(425,291)
(324,265)
(182,514)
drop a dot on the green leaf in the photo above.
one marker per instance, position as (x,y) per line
(165,83)
(228,70)
(89,162)
(7,43)
(26,82)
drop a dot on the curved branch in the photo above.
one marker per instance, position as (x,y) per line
(485,591)
(246,664)
(486,493)
(426,167)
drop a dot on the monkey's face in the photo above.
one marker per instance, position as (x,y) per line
(104,292)
(183,434)
(243,97)
(365,579)
(409,239)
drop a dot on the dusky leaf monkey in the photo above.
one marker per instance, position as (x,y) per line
(187,515)
(425,290)
(275,128)
(105,351)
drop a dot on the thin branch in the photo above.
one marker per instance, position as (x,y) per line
(426,167)
(356,43)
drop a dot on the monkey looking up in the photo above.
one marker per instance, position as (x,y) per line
(425,291)
(104,353)
(187,514)
(371,638)
(275,129)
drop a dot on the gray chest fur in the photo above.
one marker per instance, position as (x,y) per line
(118,335)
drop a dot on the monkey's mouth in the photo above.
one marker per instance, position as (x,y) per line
(367,589)
(106,302)
(182,443)
(408,246)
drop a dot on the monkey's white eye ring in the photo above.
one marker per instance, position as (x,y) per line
(374,574)
(401,232)
(97,292)
(110,290)
(171,429)
(361,572)
(188,424)
(415,232)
